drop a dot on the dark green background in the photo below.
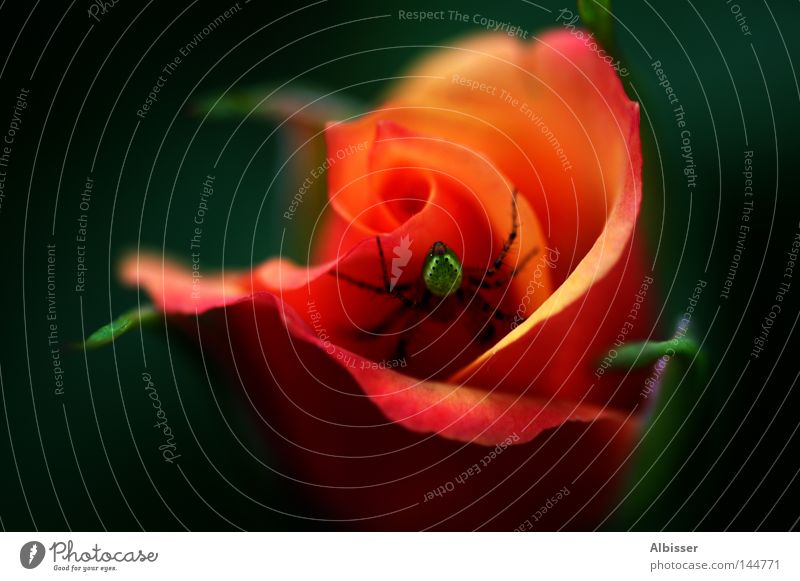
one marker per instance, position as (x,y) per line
(88,459)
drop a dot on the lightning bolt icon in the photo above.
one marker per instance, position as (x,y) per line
(402,254)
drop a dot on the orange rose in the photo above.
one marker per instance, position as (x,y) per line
(514,170)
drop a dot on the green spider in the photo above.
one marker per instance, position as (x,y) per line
(444,282)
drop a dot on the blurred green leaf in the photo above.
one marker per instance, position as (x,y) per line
(305,107)
(596,16)
(647,353)
(302,113)
(129,321)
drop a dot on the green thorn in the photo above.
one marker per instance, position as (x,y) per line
(126,322)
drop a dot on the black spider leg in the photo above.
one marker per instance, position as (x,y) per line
(396,292)
(493,284)
(486,330)
(508,242)
(498,262)
(378,290)
(394,319)
(481,280)
(387,283)
(401,349)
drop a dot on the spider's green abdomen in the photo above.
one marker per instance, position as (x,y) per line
(442,270)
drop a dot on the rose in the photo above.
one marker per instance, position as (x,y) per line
(471,431)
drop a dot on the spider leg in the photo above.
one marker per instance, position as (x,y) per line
(498,262)
(492,284)
(397,291)
(480,277)
(487,307)
(387,322)
(396,318)
(387,284)
(486,330)
(401,349)
(360,284)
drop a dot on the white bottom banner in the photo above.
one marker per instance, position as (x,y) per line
(416,556)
